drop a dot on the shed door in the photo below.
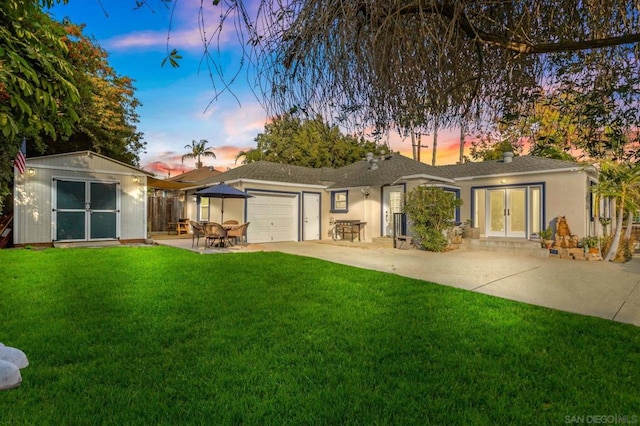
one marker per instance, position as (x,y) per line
(273,217)
(85,210)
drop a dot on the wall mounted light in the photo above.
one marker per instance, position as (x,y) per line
(31,171)
(503,181)
(136,179)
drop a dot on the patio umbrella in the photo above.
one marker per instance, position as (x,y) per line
(222,191)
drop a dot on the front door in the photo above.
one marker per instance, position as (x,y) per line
(507,212)
(311,211)
(85,210)
(391,203)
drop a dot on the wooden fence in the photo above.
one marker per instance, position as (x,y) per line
(161,211)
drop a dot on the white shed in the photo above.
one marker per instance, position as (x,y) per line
(79,197)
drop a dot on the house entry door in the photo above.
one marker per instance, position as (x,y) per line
(507,212)
(311,210)
(391,203)
(85,210)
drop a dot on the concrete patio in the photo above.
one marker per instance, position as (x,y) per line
(601,289)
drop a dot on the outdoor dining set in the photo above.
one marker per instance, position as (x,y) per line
(229,233)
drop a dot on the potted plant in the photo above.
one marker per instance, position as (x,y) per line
(591,243)
(547,237)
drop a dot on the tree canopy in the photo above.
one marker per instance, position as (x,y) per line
(198,149)
(58,91)
(422,63)
(311,143)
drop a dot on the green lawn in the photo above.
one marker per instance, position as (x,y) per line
(156,335)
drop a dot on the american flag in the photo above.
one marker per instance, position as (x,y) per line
(21,159)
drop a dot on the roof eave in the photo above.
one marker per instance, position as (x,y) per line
(532,172)
(423,176)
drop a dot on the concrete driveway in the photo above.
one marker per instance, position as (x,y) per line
(602,289)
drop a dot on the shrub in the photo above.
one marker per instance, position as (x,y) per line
(430,211)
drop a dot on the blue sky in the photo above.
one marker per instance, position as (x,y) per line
(174,100)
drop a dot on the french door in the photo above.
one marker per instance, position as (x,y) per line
(392,202)
(507,212)
(85,210)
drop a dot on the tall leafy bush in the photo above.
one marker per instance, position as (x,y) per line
(430,211)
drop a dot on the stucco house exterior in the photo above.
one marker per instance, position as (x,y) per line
(514,197)
(79,197)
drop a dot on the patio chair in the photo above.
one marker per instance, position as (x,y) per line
(239,232)
(182,226)
(215,234)
(198,231)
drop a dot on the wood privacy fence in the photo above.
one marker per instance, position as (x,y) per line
(161,211)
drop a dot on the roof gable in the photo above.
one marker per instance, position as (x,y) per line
(84,160)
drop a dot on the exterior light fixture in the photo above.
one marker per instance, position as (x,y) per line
(136,179)
(31,171)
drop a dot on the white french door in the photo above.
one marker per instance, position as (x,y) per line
(391,203)
(507,212)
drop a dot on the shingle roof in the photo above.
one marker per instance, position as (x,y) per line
(390,169)
(195,175)
(521,164)
(274,172)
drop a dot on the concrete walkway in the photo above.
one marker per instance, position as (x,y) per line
(602,289)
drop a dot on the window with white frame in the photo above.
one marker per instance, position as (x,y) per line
(204,209)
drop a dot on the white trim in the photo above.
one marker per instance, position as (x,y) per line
(86,170)
(537,172)
(423,176)
(89,181)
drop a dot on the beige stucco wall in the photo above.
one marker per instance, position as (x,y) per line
(362,207)
(33,218)
(565,193)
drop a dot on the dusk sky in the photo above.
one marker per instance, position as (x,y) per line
(174,100)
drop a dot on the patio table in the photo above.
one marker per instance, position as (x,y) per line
(351,228)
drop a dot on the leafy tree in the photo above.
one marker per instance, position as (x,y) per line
(38,95)
(198,149)
(430,210)
(377,62)
(310,143)
(620,182)
(107,112)
(58,91)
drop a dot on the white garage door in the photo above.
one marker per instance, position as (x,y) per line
(273,217)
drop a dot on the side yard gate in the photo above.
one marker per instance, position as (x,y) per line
(161,211)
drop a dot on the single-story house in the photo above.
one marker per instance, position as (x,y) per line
(514,197)
(77,197)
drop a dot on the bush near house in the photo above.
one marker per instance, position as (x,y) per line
(430,210)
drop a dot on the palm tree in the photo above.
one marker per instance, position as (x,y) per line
(199,149)
(619,182)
